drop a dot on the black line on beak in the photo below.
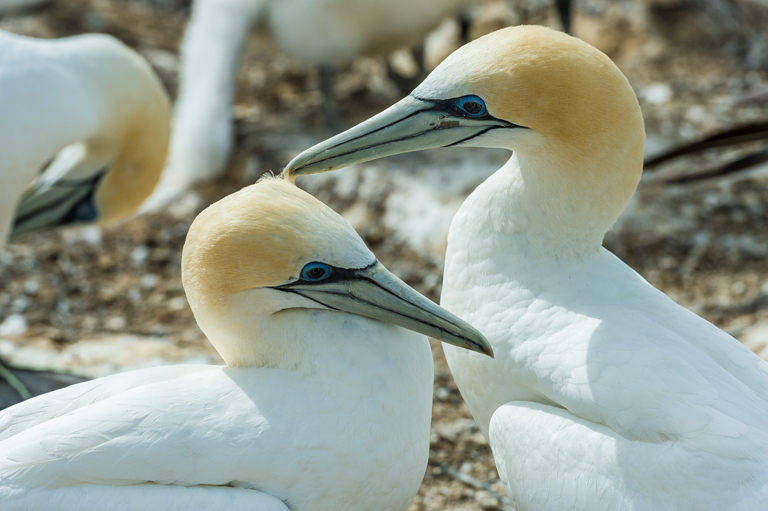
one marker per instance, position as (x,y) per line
(82,211)
(445,106)
(475,135)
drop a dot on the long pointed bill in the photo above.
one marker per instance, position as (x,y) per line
(57,203)
(376,293)
(410,125)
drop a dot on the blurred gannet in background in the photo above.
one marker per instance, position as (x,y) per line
(604,393)
(97,109)
(318,32)
(319,407)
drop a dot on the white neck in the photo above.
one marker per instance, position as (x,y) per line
(517,220)
(308,341)
(507,245)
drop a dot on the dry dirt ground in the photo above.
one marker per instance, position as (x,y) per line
(94,301)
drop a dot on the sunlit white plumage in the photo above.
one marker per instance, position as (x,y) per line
(92,105)
(604,393)
(318,32)
(317,410)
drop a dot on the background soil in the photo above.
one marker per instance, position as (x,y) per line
(93,301)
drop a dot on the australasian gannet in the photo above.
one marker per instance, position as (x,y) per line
(97,109)
(318,32)
(320,406)
(604,393)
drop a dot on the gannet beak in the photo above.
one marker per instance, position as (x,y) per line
(57,203)
(376,293)
(412,124)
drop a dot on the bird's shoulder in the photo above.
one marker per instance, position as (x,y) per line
(48,406)
(609,347)
(652,370)
(601,469)
(195,425)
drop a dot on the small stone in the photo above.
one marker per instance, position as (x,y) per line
(134,295)
(31,286)
(452,431)
(115,323)
(139,255)
(487,500)
(20,304)
(91,234)
(657,94)
(13,326)
(178,303)
(478,439)
(149,281)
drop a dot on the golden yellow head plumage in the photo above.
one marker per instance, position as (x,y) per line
(272,248)
(565,110)
(545,80)
(263,235)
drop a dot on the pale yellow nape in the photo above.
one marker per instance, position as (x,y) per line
(262,236)
(136,172)
(591,148)
(141,138)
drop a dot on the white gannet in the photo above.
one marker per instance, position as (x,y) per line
(318,32)
(604,393)
(97,109)
(320,406)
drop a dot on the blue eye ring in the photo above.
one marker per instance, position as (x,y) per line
(473,106)
(315,272)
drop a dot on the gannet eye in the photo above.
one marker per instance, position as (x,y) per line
(315,272)
(473,106)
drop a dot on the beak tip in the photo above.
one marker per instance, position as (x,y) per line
(480,345)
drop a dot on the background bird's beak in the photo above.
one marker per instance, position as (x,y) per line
(410,125)
(57,203)
(376,293)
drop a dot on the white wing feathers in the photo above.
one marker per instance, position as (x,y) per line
(126,435)
(49,406)
(645,366)
(550,459)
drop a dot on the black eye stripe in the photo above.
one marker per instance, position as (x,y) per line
(452,107)
(336,275)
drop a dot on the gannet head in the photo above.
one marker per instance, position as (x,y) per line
(108,175)
(272,248)
(561,105)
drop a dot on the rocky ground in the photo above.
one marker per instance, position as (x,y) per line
(94,301)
